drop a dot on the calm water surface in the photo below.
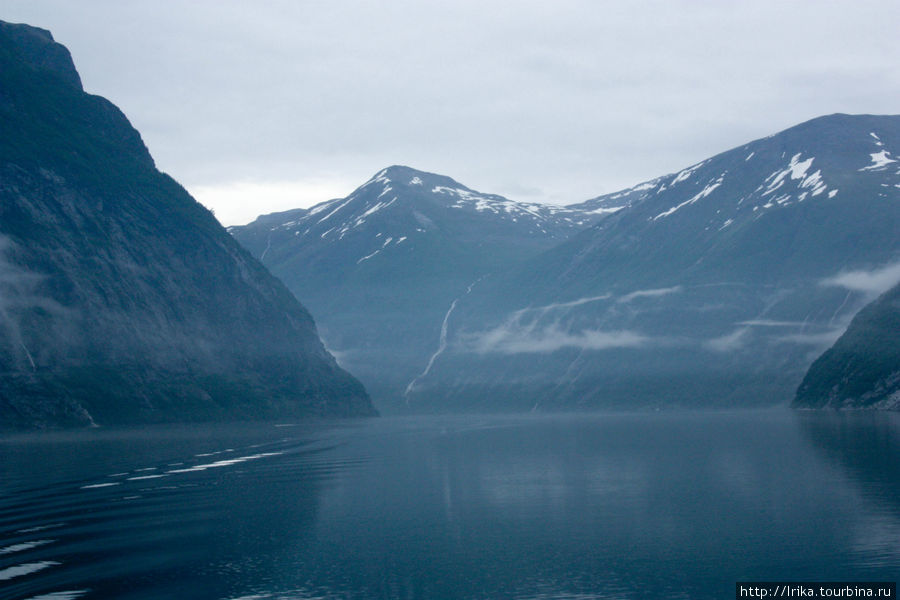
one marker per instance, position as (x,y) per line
(598,506)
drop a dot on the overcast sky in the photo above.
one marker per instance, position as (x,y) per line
(268,105)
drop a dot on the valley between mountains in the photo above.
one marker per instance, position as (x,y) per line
(124,301)
(716,286)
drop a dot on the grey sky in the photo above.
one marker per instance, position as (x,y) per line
(268,105)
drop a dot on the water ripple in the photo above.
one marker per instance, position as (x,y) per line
(24,546)
(66,595)
(26,569)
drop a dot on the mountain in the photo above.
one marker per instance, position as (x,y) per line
(383,267)
(714,286)
(122,300)
(862,369)
(613,203)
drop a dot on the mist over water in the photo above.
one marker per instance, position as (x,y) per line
(663,505)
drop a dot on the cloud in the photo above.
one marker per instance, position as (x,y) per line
(239,202)
(542,310)
(729,342)
(523,332)
(654,293)
(873,282)
(507,339)
(557,305)
(771,323)
(739,338)
(823,339)
(567,101)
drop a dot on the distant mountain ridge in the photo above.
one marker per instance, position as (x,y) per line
(122,300)
(616,201)
(426,202)
(713,286)
(381,267)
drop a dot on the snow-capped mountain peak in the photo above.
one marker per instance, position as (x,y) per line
(404,204)
(810,162)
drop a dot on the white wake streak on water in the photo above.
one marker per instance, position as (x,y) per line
(192,469)
(100,485)
(40,528)
(24,546)
(67,595)
(26,569)
(225,463)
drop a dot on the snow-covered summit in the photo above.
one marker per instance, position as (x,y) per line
(419,188)
(820,160)
(403,204)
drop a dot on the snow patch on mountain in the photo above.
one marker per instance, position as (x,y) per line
(638,188)
(377,207)
(384,245)
(814,183)
(796,170)
(332,213)
(316,210)
(685,174)
(709,189)
(880,161)
(498,205)
(604,211)
(364,258)
(463,194)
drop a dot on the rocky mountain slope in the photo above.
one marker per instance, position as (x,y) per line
(862,369)
(381,268)
(714,286)
(121,298)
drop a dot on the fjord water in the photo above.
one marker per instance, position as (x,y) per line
(663,505)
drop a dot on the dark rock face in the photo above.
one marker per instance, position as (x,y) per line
(862,369)
(121,298)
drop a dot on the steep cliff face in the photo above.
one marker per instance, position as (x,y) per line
(121,298)
(862,369)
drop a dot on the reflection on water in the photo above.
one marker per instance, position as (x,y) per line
(867,444)
(598,506)
(866,448)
